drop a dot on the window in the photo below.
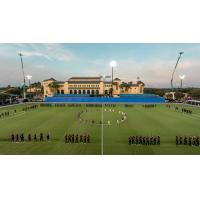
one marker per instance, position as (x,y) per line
(75,91)
(58,91)
(83,91)
(92,91)
(97,91)
(88,91)
(71,92)
(79,91)
(62,91)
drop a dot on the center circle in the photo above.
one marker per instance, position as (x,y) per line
(94,116)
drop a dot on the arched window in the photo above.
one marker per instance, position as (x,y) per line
(88,91)
(75,91)
(106,91)
(97,91)
(92,91)
(83,91)
(71,92)
(62,91)
(79,91)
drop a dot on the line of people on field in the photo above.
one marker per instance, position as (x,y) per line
(110,105)
(149,105)
(30,108)
(21,137)
(45,105)
(144,140)
(74,105)
(72,138)
(128,105)
(191,140)
(93,105)
(186,111)
(60,105)
(4,114)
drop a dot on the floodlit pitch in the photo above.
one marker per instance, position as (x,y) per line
(109,128)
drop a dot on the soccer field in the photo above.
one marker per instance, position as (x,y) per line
(104,138)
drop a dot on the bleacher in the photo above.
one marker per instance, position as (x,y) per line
(142,98)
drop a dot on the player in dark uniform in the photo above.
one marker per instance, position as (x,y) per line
(158,141)
(129,140)
(22,137)
(12,138)
(147,140)
(133,140)
(185,140)
(48,137)
(76,138)
(197,141)
(81,139)
(88,138)
(85,138)
(154,140)
(72,138)
(17,138)
(29,137)
(41,137)
(69,138)
(151,140)
(35,137)
(66,138)
(177,140)
(136,140)
(190,141)
(140,139)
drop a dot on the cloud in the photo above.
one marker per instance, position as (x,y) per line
(26,53)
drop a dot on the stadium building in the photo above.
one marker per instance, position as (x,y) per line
(90,86)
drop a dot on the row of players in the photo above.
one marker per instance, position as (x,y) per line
(191,140)
(4,114)
(21,137)
(153,140)
(149,105)
(30,108)
(184,110)
(71,138)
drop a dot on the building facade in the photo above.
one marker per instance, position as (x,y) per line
(91,86)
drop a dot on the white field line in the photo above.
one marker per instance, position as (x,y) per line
(102,131)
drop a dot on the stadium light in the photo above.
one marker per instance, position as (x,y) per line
(24,92)
(113,64)
(182,77)
(29,77)
(172,87)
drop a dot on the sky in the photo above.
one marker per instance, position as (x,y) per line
(153,63)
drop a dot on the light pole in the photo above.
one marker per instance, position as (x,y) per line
(24,92)
(180,53)
(29,77)
(113,64)
(182,77)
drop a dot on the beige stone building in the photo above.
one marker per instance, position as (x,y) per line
(91,86)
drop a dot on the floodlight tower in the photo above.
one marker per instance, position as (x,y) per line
(180,54)
(29,77)
(113,64)
(24,92)
(182,77)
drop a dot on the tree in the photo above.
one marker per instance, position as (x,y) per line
(53,86)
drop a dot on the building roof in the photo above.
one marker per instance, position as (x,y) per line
(84,80)
(50,79)
(117,79)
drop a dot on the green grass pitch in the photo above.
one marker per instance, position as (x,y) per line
(105,139)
